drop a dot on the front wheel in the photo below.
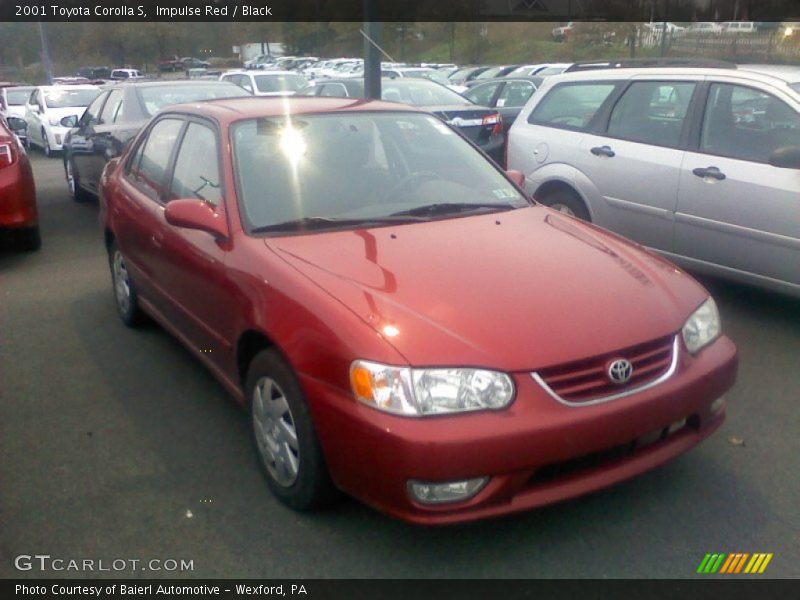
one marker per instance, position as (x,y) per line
(286,443)
(125,296)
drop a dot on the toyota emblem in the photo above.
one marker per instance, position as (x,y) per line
(620,371)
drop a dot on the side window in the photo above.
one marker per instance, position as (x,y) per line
(482,94)
(89,116)
(151,169)
(652,112)
(571,106)
(748,124)
(197,166)
(515,94)
(110,109)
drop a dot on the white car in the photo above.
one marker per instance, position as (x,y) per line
(13,100)
(267,83)
(126,74)
(48,105)
(705,27)
(739,27)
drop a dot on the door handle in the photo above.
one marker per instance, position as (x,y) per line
(603,151)
(712,172)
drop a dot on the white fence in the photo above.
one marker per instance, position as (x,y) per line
(762,45)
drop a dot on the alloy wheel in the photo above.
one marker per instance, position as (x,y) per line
(275,432)
(122,283)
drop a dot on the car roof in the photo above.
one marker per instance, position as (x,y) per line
(165,83)
(59,88)
(534,79)
(740,73)
(228,110)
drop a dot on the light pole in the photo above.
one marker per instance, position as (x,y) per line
(48,68)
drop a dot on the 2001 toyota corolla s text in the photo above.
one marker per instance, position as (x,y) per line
(402,323)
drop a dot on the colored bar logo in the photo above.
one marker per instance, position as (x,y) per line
(735,563)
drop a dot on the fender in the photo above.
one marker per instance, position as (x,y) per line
(578,181)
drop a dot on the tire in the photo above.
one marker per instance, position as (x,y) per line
(48,152)
(567,202)
(125,296)
(28,239)
(284,437)
(76,192)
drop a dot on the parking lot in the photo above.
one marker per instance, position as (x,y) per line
(117,443)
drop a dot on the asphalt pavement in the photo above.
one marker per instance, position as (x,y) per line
(118,444)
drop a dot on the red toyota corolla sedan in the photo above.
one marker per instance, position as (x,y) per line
(19,219)
(402,322)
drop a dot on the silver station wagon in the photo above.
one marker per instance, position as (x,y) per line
(699,164)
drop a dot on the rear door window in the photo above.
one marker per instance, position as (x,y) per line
(571,106)
(746,123)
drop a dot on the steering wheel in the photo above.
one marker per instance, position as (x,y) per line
(416,176)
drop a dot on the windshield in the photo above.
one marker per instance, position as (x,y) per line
(156,97)
(551,71)
(280,83)
(68,98)
(370,167)
(18,96)
(420,92)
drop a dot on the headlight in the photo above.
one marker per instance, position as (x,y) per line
(418,392)
(703,327)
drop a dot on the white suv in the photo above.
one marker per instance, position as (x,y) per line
(702,165)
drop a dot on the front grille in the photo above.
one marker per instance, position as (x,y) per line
(587,380)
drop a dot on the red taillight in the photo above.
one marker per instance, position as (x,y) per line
(495,120)
(8,154)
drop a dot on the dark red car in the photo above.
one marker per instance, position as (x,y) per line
(19,219)
(402,322)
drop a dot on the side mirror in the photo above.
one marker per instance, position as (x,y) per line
(70,121)
(786,158)
(16,124)
(517,177)
(195,214)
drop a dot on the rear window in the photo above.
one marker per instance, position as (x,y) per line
(571,106)
(280,83)
(155,98)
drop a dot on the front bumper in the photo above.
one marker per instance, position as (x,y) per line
(56,136)
(535,452)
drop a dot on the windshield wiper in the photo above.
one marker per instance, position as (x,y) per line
(312,223)
(444,208)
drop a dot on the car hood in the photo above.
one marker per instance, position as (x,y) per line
(517,290)
(60,113)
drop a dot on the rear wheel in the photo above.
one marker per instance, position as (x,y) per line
(48,151)
(76,192)
(283,431)
(28,239)
(567,202)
